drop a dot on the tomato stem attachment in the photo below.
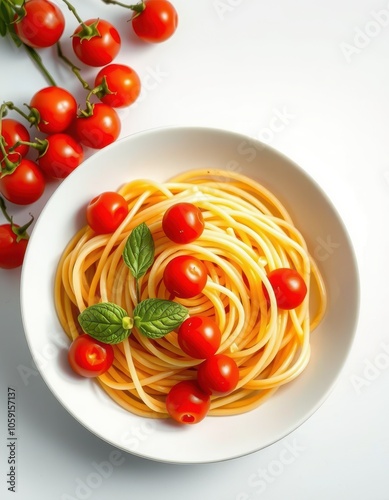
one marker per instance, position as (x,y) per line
(33,117)
(137,8)
(87,31)
(40,145)
(20,232)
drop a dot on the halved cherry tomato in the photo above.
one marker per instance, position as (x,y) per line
(157,22)
(289,287)
(96,49)
(199,337)
(99,129)
(24,185)
(123,84)
(218,374)
(183,222)
(57,109)
(186,403)
(62,155)
(185,276)
(13,131)
(42,24)
(106,212)
(89,357)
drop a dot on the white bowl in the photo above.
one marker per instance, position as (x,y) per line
(160,154)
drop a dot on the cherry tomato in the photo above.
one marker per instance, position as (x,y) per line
(13,131)
(89,357)
(99,129)
(24,185)
(183,223)
(13,241)
(185,276)
(42,25)
(199,337)
(11,250)
(62,155)
(289,287)
(122,81)
(186,403)
(57,109)
(218,374)
(106,212)
(99,49)
(157,22)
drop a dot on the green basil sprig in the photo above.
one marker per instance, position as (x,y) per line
(111,324)
(138,253)
(153,318)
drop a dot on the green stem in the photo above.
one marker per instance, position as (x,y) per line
(10,105)
(138,8)
(73,67)
(21,232)
(38,61)
(73,11)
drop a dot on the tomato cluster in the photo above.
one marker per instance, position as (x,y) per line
(64,127)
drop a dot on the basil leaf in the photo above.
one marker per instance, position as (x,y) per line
(157,317)
(106,322)
(138,253)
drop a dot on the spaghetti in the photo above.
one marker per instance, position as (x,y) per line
(247,234)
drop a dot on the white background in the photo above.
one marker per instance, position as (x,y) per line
(311,79)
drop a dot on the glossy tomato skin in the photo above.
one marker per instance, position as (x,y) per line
(289,287)
(57,109)
(11,251)
(43,24)
(12,132)
(89,357)
(218,375)
(106,212)
(63,154)
(122,81)
(97,50)
(157,22)
(199,337)
(186,403)
(185,276)
(183,223)
(100,129)
(25,185)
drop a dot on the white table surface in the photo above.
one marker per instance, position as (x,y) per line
(311,79)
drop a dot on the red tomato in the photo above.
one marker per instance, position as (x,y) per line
(199,337)
(187,403)
(24,185)
(12,250)
(96,49)
(62,155)
(123,83)
(42,25)
(13,131)
(89,357)
(157,22)
(185,276)
(289,287)
(183,223)
(218,374)
(57,109)
(106,212)
(99,129)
